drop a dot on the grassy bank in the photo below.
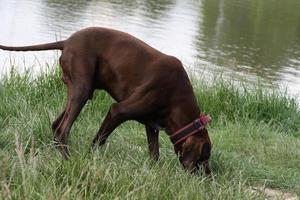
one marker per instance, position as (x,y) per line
(255,137)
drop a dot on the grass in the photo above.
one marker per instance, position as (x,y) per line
(255,135)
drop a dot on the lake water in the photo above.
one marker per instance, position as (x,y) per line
(249,39)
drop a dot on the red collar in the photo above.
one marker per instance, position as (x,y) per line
(192,128)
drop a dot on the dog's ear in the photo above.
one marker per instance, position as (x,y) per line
(205,153)
(191,150)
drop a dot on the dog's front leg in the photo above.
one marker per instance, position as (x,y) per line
(153,145)
(136,105)
(119,113)
(115,116)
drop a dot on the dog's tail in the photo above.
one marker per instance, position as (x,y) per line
(39,47)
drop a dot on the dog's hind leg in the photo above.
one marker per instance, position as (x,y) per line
(79,84)
(76,100)
(58,120)
(153,145)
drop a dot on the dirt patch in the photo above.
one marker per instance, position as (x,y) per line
(274,194)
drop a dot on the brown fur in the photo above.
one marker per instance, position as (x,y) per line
(148,86)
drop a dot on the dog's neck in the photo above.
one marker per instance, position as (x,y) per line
(180,117)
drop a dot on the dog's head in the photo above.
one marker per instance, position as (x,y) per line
(195,151)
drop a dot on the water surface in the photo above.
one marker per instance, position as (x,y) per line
(249,39)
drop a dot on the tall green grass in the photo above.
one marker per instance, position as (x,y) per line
(255,135)
(241,102)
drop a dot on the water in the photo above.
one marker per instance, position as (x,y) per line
(249,39)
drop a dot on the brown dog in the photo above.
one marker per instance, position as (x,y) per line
(148,86)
